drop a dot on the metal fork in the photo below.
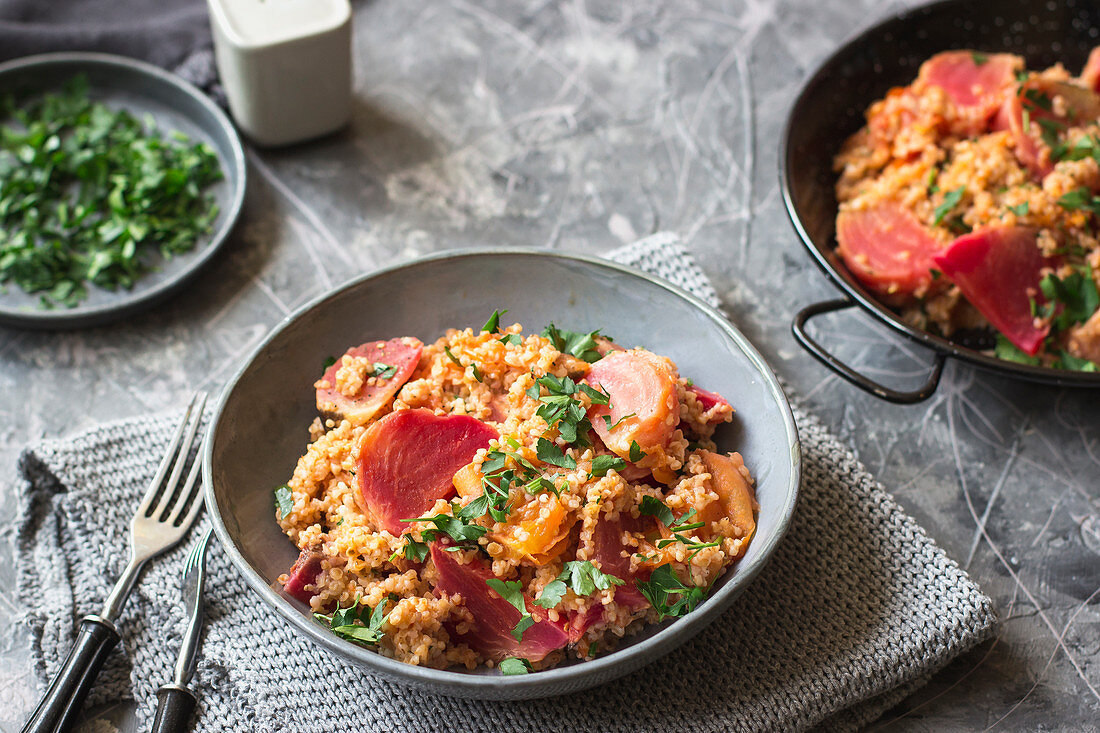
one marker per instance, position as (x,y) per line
(160,521)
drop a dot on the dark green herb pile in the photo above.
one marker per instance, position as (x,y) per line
(89,194)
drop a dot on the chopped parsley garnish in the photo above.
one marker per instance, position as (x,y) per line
(580,575)
(1020,209)
(1087,147)
(636,453)
(1081,199)
(1038,99)
(455,360)
(413,550)
(669,596)
(514,665)
(931,186)
(580,345)
(978,58)
(1008,351)
(382,371)
(511,338)
(1050,131)
(452,357)
(603,463)
(284,501)
(512,591)
(328,362)
(657,508)
(950,200)
(560,408)
(357,623)
(452,525)
(89,194)
(493,324)
(654,507)
(610,426)
(1077,294)
(550,453)
(1067,360)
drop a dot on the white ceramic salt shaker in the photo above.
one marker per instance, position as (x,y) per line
(285,66)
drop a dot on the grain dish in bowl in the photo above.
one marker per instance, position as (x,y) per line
(260,429)
(967,202)
(507,499)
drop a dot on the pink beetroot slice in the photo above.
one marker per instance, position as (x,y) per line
(494,617)
(408,459)
(998,270)
(390,363)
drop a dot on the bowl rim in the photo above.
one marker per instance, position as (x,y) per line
(596,670)
(841,278)
(131,302)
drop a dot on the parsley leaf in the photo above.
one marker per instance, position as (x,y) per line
(654,507)
(550,453)
(580,345)
(453,526)
(1019,209)
(512,591)
(511,338)
(585,578)
(559,408)
(1078,295)
(668,595)
(636,452)
(551,594)
(1067,360)
(413,550)
(382,371)
(514,665)
(328,362)
(354,623)
(580,575)
(1080,199)
(603,463)
(452,357)
(284,501)
(92,195)
(978,58)
(493,324)
(950,200)
(607,420)
(1008,351)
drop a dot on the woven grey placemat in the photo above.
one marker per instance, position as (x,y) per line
(857,607)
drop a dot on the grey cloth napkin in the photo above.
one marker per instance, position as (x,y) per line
(856,609)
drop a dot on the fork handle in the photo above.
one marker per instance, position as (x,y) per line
(174,707)
(58,709)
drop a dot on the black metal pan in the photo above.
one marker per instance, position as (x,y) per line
(830,108)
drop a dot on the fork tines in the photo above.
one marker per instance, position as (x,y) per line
(172,498)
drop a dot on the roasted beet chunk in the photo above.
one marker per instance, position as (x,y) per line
(360,383)
(408,459)
(494,617)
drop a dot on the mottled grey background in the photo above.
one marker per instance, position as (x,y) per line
(578,126)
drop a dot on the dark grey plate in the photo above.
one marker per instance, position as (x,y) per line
(260,427)
(175,105)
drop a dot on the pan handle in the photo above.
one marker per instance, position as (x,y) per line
(798,327)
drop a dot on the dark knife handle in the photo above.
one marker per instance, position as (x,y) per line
(174,707)
(58,709)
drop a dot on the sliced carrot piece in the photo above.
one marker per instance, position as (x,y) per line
(736,496)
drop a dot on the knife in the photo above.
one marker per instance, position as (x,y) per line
(175,702)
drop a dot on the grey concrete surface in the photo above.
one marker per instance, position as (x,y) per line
(579,125)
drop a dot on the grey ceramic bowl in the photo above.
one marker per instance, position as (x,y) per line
(260,427)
